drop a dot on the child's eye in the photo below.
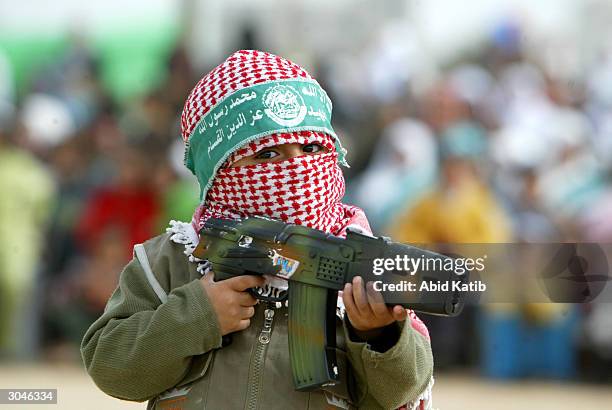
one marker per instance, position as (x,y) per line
(266,154)
(310,148)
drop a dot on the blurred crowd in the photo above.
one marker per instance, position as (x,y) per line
(493,147)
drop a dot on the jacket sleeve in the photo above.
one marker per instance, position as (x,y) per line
(393,378)
(140,346)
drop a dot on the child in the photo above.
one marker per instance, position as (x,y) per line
(259,139)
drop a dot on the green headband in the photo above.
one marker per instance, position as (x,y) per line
(272,107)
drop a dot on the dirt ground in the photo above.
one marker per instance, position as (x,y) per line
(451,391)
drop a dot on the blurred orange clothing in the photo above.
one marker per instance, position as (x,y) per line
(468,213)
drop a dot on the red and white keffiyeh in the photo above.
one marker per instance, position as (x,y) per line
(304,190)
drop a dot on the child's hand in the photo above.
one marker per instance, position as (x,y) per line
(366,308)
(232,304)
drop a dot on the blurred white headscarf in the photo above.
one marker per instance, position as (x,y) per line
(403,165)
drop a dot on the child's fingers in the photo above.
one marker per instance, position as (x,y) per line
(361,299)
(245,282)
(349,301)
(209,276)
(246,299)
(377,303)
(247,312)
(243,324)
(399,313)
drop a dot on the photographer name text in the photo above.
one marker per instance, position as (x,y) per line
(430,286)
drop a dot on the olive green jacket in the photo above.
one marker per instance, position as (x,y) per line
(171,353)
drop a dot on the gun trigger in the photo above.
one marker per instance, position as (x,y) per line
(272,299)
(253,293)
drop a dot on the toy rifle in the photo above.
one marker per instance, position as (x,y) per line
(318,265)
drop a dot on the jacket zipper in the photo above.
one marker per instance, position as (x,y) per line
(256,369)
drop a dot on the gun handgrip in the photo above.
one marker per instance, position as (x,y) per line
(312,336)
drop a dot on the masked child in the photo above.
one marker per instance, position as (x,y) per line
(259,139)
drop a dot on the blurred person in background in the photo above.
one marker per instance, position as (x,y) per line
(402,167)
(530,219)
(441,107)
(575,181)
(129,202)
(69,162)
(460,209)
(530,339)
(28,192)
(78,297)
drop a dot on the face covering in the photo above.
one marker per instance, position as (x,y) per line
(303,190)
